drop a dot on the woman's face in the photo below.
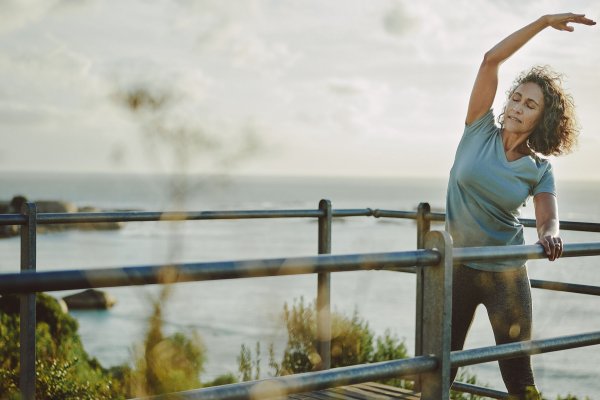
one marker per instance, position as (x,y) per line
(524,109)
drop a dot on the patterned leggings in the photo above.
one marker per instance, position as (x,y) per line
(507,298)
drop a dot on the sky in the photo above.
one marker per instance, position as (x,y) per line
(294,87)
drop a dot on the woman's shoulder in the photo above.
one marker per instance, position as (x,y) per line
(484,123)
(542,164)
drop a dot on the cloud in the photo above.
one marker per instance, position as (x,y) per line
(15,14)
(48,87)
(235,34)
(17,113)
(396,21)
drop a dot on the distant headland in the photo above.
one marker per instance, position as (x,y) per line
(14,205)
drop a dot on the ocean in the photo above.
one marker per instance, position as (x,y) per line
(230,313)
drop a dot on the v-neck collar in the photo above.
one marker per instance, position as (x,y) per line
(502,156)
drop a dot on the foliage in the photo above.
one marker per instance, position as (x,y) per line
(465,377)
(165,364)
(63,368)
(352,343)
(224,379)
(246,365)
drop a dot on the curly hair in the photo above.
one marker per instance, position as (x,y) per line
(557,130)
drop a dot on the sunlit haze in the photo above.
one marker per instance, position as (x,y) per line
(339,87)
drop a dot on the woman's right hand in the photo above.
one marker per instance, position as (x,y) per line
(561,21)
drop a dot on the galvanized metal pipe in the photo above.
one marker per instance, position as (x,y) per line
(324,288)
(439,217)
(519,349)
(144,216)
(13,219)
(143,275)
(360,212)
(310,381)
(478,390)
(423,227)
(436,317)
(133,216)
(188,272)
(395,214)
(27,354)
(566,225)
(469,254)
(565,287)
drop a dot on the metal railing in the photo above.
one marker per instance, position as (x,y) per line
(432,262)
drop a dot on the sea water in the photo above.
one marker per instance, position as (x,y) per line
(230,313)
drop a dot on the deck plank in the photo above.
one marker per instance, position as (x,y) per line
(389,390)
(352,392)
(362,391)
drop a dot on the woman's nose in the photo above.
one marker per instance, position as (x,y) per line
(518,108)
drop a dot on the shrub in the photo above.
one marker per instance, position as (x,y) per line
(63,367)
(352,343)
(165,364)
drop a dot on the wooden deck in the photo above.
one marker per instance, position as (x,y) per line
(363,391)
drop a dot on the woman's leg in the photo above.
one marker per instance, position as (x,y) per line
(508,303)
(465,299)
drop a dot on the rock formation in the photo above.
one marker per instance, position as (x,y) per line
(51,206)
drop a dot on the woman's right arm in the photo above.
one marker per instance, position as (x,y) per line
(486,83)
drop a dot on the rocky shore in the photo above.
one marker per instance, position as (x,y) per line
(14,205)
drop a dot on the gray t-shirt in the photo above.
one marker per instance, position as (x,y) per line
(485,192)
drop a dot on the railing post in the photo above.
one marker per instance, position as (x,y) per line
(437,314)
(323,289)
(27,308)
(423,227)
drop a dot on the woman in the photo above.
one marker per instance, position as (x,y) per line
(495,170)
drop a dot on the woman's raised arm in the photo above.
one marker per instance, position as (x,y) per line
(486,83)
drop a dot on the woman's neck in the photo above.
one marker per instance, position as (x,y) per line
(515,145)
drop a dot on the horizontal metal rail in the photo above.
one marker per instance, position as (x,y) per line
(478,390)
(140,216)
(565,287)
(567,225)
(13,219)
(527,222)
(26,282)
(439,217)
(340,213)
(394,214)
(469,254)
(310,381)
(519,349)
(144,216)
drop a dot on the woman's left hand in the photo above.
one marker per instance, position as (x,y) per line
(553,246)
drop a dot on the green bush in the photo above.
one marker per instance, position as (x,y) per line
(352,342)
(63,367)
(165,364)
(224,379)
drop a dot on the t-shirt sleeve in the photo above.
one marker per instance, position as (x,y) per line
(546,182)
(484,124)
